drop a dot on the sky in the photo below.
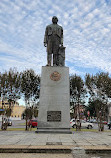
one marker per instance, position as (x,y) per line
(87,34)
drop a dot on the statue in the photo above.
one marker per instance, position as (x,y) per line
(53,40)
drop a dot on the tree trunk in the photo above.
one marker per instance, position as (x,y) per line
(26,124)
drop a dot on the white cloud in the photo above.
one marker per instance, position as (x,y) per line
(87,33)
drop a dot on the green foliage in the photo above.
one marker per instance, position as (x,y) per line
(13,85)
(1,112)
(77,94)
(91,108)
(10,86)
(30,112)
(99,85)
(77,89)
(35,112)
(99,88)
(30,85)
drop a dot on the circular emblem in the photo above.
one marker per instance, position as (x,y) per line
(55,76)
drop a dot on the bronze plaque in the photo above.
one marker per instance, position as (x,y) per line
(55,76)
(53,116)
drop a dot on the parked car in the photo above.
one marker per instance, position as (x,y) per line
(109,125)
(9,122)
(105,122)
(93,121)
(84,124)
(33,123)
(4,125)
(72,120)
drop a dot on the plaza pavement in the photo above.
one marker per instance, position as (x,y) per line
(29,141)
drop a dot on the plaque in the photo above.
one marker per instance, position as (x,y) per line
(54,116)
(55,76)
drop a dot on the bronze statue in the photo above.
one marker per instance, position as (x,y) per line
(53,40)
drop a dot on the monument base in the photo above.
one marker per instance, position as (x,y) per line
(54,130)
(54,108)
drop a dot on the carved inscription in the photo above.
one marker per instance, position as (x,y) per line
(53,116)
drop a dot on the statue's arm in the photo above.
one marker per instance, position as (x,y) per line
(45,37)
(61,36)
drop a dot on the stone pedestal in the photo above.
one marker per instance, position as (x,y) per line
(54,108)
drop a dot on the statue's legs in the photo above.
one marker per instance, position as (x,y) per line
(55,60)
(53,48)
(56,42)
(49,59)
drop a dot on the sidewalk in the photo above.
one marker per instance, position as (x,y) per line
(29,141)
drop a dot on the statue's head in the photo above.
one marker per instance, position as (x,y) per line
(54,20)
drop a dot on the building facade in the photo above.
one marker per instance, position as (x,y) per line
(17,109)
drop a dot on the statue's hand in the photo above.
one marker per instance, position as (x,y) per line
(61,45)
(45,44)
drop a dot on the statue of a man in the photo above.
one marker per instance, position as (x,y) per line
(53,40)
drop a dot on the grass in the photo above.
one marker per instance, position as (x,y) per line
(19,129)
(88,130)
(72,130)
(85,130)
(21,124)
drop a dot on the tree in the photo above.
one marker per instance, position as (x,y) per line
(8,112)
(10,86)
(30,112)
(97,88)
(13,91)
(9,89)
(91,109)
(30,88)
(77,94)
(35,112)
(3,90)
(0,85)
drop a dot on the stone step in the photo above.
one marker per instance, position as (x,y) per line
(36,149)
(54,130)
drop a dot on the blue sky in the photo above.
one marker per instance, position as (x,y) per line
(87,34)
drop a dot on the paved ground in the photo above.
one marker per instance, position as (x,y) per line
(75,139)
(77,142)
